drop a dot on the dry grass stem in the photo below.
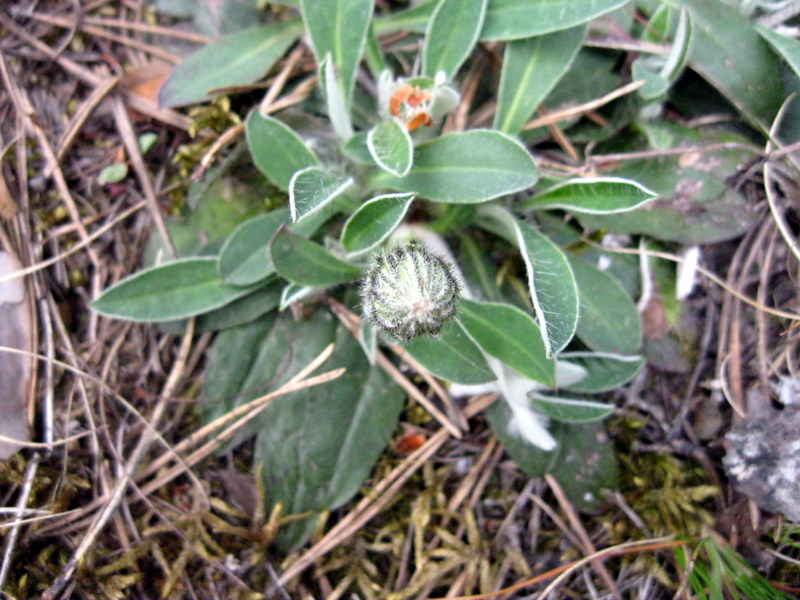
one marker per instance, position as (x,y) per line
(705,272)
(581,109)
(136,101)
(128,136)
(79,246)
(586,545)
(81,116)
(22,503)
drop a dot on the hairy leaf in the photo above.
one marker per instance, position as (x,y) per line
(452,32)
(175,290)
(277,151)
(236,59)
(531,68)
(467,168)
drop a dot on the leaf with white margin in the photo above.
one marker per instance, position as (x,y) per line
(337,111)
(467,167)
(338,29)
(604,371)
(551,283)
(509,334)
(390,147)
(525,423)
(313,188)
(294,292)
(451,35)
(593,195)
(374,221)
(681,47)
(570,410)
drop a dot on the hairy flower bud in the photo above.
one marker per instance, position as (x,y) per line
(409,291)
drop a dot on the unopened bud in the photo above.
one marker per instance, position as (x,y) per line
(409,291)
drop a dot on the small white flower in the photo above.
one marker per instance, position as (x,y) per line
(417,101)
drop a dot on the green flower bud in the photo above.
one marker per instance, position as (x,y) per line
(409,291)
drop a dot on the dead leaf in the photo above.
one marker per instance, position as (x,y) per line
(145,80)
(8,208)
(15,369)
(654,318)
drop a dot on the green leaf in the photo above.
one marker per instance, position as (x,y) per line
(732,57)
(312,189)
(229,194)
(452,33)
(338,112)
(660,72)
(655,84)
(368,340)
(113,173)
(390,147)
(551,284)
(277,150)
(146,141)
(679,54)
(305,263)
(175,290)
(224,17)
(788,48)
(373,54)
(593,195)
(570,410)
(414,19)
(316,447)
(245,258)
(374,221)
(240,367)
(242,310)
(604,371)
(515,19)
(697,204)
(294,293)
(658,25)
(531,68)
(340,428)
(451,356)
(357,150)
(478,269)
(608,321)
(237,59)
(467,168)
(583,461)
(507,333)
(339,28)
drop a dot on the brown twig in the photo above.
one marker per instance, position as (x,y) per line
(579,110)
(24,108)
(117,494)
(135,101)
(586,544)
(84,26)
(128,136)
